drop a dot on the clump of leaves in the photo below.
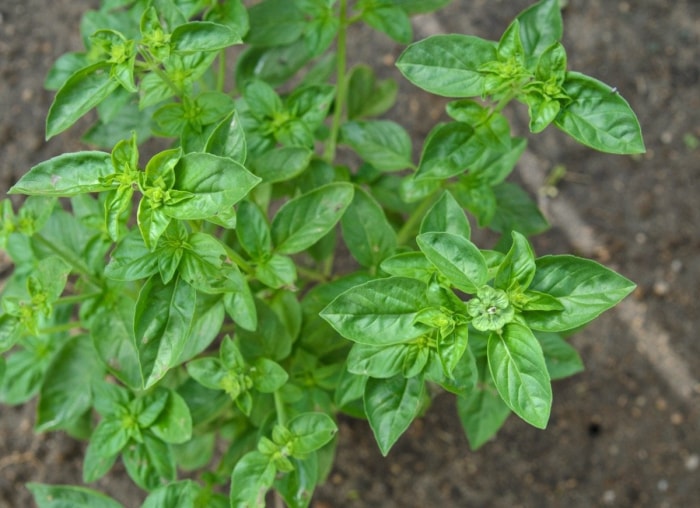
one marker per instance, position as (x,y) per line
(188,298)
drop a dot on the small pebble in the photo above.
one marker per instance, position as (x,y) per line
(692,462)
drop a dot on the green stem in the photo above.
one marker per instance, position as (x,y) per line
(238,259)
(75,262)
(64,327)
(341,83)
(155,67)
(279,409)
(311,274)
(68,300)
(410,227)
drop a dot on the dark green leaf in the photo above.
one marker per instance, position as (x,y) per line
(277,271)
(390,20)
(107,440)
(274,23)
(253,232)
(271,339)
(181,494)
(391,405)
(281,164)
(275,65)
(447,65)
(384,144)
(377,361)
(150,464)
(131,260)
(585,289)
(174,423)
(448,151)
(562,359)
(599,117)
(409,264)
(304,220)
(366,231)
(67,496)
(540,26)
(67,175)
(520,374)
(516,211)
(162,322)
(366,97)
(482,412)
(84,90)
(446,216)
(518,267)
(310,431)
(379,312)
(228,139)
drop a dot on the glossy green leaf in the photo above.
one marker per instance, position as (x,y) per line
(84,90)
(268,376)
(377,361)
(281,164)
(518,267)
(562,359)
(585,289)
(456,258)
(215,184)
(251,479)
(202,36)
(446,216)
(228,139)
(447,65)
(174,423)
(311,431)
(409,264)
(106,441)
(162,323)
(181,494)
(366,230)
(131,260)
(239,303)
(379,312)
(64,496)
(391,405)
(304,220)
(541,25)
(599,117)
(447,152)
(66,392)
(520,374)
(382,143)
(253,233)
(67,175)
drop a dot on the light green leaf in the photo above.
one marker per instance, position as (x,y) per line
(520,374)
(67,496)
(518,266)
(131,260)
(304,220)
(379,312)
(456,258)
(446,216)
(447,65)
(150,463)
(311,431)
(181,494)
(377,361)
(197,36)
(599,117)
(253,232)
(277,271)
(390,20)
(274,23)
(391,405)
(84,90)
(228,139)
(67,175)
(382,143)
(251,479)
(268,376)
(409,264)
(106,441)
(174,423)
(366,230)
(540,26)
(281,164)
(585,288)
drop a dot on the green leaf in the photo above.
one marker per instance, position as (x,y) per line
(275,65)
(174,423)
(447,65)
(456,258)
(131,260)
(382,143)
(84,90)
(518,267)
(271,339)
(268,376)
(377,361)
(482,412)
(448,151)
(281,164)
(150,463)
(541,25)
(562,359)
(215,184)
(228,139)
(253,232)
(311,431)
(419,6)
(391,405)
(251,479)
(66,391)
(390,20)
(599,117)
(162,322)
(516,211)
(366,96)
(446,216)
(181,494)
(366,230)
(520,374)
(106,441)
(239,303)
(585,289)
(379,312)
(304,220)
(67,496)
(198,36)
(274,23)
(67,175)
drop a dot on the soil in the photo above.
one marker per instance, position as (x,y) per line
(626,432)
